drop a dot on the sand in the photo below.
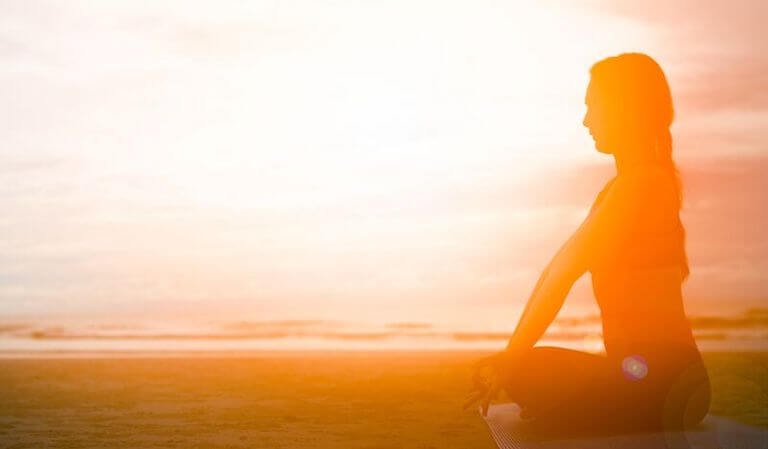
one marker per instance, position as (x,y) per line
(280,400)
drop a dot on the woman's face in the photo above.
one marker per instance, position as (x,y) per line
(595,121)
(613,120)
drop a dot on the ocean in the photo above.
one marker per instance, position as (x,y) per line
(747,331)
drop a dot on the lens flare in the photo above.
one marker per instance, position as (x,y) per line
(634,367)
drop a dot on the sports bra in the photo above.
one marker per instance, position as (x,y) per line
(647,246)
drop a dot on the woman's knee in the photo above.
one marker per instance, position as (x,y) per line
(688,399)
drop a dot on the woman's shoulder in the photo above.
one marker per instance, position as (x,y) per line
(647,187)
(651,192)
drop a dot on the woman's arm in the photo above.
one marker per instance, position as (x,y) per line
(597,238)
(528,304)
(547,297)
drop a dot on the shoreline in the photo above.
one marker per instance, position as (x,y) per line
(278,352)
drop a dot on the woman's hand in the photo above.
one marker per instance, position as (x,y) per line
(489,376)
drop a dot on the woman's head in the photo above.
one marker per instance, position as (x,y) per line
(629,108)
(628,101)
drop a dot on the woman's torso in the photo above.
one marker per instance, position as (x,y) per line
(638,290)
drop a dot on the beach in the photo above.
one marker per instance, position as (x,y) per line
(287,399)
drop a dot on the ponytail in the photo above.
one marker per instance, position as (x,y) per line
(664,154)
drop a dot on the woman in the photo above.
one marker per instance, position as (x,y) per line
(632,243)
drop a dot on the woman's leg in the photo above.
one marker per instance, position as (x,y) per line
(687,399)
(548,379)
(572,391)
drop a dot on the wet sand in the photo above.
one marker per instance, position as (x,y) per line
(280,400)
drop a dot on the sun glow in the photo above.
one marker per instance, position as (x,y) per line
(362,102)
(313,151)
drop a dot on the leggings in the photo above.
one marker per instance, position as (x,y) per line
(569,391)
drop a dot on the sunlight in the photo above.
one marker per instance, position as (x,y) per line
(397,117)
(250,146)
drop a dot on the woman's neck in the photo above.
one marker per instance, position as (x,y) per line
(632,156)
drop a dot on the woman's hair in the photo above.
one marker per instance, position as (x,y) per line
(634,93)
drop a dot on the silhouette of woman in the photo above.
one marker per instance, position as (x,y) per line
(632,242)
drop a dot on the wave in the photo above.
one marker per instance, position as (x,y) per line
(751,325)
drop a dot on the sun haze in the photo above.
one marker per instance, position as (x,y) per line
(347,161)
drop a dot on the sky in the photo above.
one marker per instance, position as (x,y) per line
(355,160)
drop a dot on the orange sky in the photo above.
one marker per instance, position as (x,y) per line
(346,160)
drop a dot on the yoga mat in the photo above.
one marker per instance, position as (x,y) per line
(510,432)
